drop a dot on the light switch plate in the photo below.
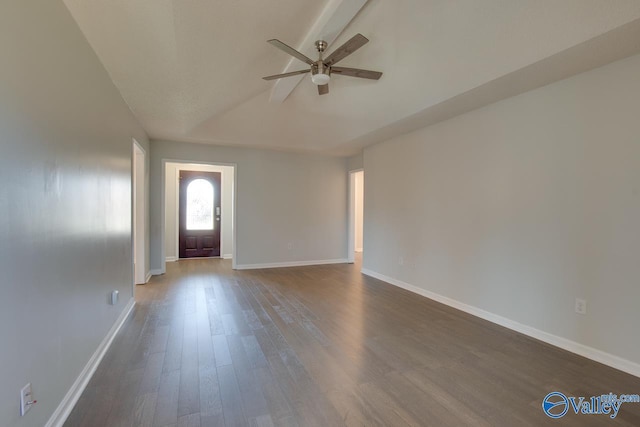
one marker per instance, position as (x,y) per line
(26,399)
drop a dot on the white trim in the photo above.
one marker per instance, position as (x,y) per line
(138,213)
(163,224)
(171,259)
(176,178)
(158,272)
(291,264)
(71,398)
(227,256)
(563,343)
(234,219)
(351,215)
(351,212)
(147,277)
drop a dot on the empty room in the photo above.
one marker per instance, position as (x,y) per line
(319,213)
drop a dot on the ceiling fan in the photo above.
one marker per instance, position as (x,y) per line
(322,69)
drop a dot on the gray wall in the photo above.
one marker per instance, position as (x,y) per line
(355,162)
(282,198)
(65,221)
(522,206)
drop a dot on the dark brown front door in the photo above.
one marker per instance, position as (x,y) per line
(199,214)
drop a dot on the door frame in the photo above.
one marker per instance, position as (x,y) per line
(177,213)
(351,227)
(223,181)
(163,211)
(138,215)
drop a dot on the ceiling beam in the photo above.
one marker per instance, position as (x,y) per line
(335,17)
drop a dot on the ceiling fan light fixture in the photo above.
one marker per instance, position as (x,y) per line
(320,79)
(322,69)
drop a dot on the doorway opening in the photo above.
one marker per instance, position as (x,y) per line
(356,214)
(138,238)
(199,214)
(207,230)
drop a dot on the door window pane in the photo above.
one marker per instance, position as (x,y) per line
(200,205)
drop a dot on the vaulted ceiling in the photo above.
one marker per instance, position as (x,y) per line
(191,69)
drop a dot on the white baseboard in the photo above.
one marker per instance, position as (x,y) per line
(563,343)
(157,272)
(290,264)
(174,259)
(64,408)
(147,277)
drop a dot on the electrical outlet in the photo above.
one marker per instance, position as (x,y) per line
(401,261)
(289,245)
(26,399)
(581,306)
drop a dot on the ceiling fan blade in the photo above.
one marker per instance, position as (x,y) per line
(291,51)
(323,89)
(356,72)
(354,43)
(279,76)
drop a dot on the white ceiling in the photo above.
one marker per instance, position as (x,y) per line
(191,69)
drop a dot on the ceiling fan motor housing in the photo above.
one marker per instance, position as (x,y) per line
(320,73)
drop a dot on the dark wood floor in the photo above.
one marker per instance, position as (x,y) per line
(325,346)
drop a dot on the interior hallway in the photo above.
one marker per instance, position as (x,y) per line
(324,346)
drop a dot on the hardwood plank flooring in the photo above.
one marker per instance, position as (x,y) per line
(325,346)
